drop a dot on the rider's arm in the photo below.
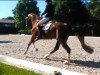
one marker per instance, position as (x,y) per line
(45,11)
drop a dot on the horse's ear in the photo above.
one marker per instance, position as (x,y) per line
(26,18)
(39,18)
(30,15)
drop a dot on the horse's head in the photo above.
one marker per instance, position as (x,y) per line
(33,17)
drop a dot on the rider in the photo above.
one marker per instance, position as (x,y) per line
(49,14)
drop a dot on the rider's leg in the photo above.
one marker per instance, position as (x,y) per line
(41,35)
(43,20)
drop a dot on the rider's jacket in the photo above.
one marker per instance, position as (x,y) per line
(49,11)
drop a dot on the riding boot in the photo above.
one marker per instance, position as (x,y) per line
(41,33)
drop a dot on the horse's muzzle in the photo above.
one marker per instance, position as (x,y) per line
(26,18)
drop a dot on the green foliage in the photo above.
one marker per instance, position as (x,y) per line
(94,7)
(22,9)
(71,10)
(8,18)
(25,31)
(11,70)
(61,10)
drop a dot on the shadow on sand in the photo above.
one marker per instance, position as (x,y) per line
(90,64)
(5,41)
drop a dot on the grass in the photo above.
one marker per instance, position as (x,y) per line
(11,70)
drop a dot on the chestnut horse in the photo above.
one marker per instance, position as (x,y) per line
(59,31)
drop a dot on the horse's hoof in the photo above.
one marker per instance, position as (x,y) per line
(66,62)
(25,53)
(57,73)
(46,56)
(36,49)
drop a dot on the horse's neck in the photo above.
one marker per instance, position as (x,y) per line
(34,22)
(39,18)
(35,19)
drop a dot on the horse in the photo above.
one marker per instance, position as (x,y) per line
(59,31)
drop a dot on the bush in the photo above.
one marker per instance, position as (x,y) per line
(25,31)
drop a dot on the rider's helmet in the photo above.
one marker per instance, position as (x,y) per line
(48,0)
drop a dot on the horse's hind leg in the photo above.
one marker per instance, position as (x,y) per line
(67,48)
(55,49)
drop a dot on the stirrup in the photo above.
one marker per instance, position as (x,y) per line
(41,25)
(40,37)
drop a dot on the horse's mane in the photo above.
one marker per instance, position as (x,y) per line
(36,16)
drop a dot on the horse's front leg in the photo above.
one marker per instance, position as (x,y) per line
(68,50)
(33,39)
(36,49)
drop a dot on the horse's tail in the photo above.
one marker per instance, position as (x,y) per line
(87,48)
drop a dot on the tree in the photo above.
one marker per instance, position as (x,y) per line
(94,7)
(22,9)
(72,10)
(8,18)
(61,10)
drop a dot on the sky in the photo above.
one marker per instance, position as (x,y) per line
(6,7)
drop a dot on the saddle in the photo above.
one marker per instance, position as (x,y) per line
(44,29)
(46,25)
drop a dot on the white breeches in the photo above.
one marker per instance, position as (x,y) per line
(43,20)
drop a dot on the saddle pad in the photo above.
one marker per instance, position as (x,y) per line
(46,27)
